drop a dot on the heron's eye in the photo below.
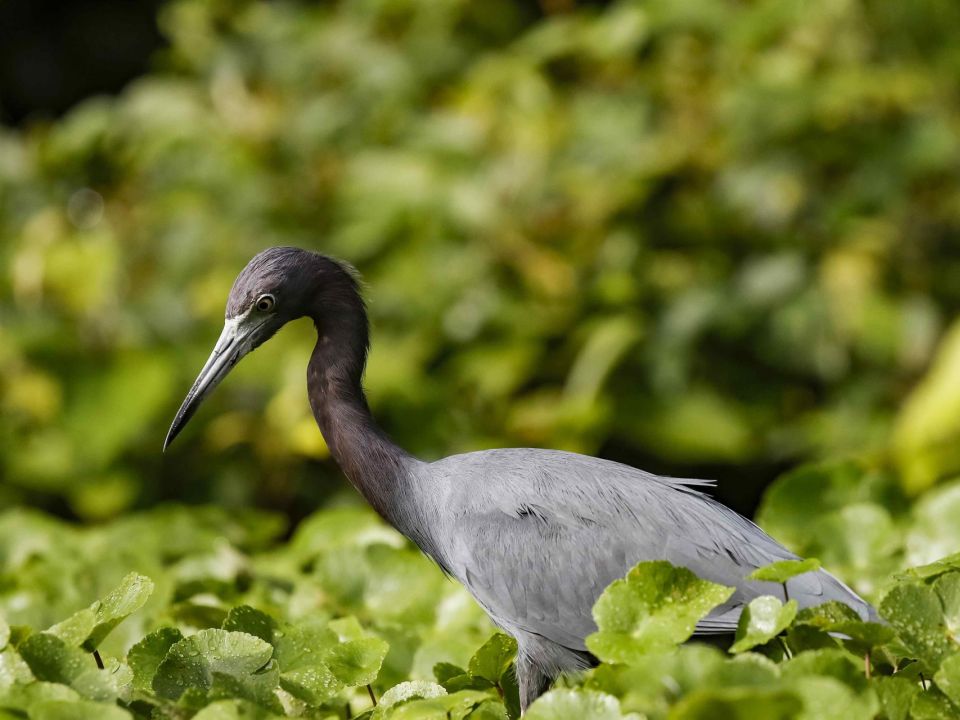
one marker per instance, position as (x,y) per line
(265,303)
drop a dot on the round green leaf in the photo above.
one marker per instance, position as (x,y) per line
(654,608)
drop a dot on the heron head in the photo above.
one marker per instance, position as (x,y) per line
(270,291)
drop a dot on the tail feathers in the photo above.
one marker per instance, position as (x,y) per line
(816,588)
(809,590)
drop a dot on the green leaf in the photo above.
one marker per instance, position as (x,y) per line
(145,657)
(192,662)
(783,570)
(738,704)
(493,658)
(762,620)
(747,669)
(258,687)
(77,710)
(52,660)
(455,678)
(234,710)
(443,672)
(118,605)
(836,617)
(315,666)
(915,612)
(826,698)
(654,608)
(13,669)
(409,690)
(827,662)
(580,704)
(826,615)
(934,569)
(301,651)
(947,588)
(932,705)
(89,627)
(253,622)
(26,696)
(357,662)
(948,678)
(75,630)
(896,694)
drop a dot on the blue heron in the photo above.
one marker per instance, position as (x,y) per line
(534,535)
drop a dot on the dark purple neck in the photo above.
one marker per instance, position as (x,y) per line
(371,461)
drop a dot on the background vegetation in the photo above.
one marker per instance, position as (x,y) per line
(708,238)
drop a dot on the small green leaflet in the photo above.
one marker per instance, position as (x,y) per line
(88,627)
(783,570)
(762,620)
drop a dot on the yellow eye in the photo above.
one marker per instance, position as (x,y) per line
(265,303)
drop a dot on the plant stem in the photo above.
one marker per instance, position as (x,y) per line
(373,698)
(96,656)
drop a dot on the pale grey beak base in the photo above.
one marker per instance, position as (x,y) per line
(231,346)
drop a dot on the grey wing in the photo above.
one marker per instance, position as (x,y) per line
(538,557)
(536,575)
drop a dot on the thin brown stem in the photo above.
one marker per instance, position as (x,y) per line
(96,656)
(373,698)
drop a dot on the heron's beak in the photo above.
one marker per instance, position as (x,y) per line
(235,342)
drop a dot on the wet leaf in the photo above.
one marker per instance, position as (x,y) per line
(762,620)
(565,704)
(493,658)
(193,661)
(145,657)
(654,608)
(948,678)
(916,613)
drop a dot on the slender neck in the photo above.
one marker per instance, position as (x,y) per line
(375,465)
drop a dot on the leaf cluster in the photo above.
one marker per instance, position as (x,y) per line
(234,622)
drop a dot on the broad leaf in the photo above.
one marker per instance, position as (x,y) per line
(654,608)
(739,704)
(89,627)
(357,662)
(52,660)
(77,710)
(948,678)
(567,704)
(762,620)
(145,657)
(896,694)
(251,621)
(916,613)
(493,658)
(193,661)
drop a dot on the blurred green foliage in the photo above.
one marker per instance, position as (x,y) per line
(679,234)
